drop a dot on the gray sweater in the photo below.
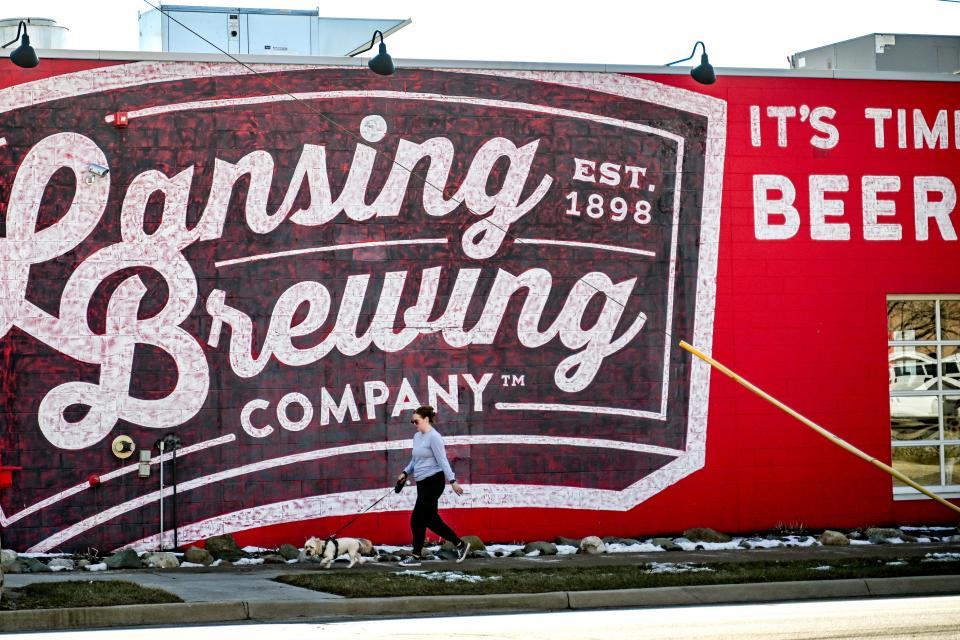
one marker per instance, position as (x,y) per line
(429,456)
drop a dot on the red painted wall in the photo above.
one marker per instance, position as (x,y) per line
(804,319)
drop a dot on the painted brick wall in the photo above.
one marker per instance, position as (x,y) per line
(264,277)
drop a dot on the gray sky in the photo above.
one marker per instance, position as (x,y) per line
(738,33)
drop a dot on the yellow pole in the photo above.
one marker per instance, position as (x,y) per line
(826,434)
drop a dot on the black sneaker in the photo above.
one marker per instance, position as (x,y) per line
(411,561)
(462,550)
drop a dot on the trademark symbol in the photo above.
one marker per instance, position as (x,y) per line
(510,380)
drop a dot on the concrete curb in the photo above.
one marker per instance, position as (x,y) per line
(134,615)
(368,607)
(208,612)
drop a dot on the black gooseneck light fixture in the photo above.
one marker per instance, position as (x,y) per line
(382,63)
(24,55)
(702,73)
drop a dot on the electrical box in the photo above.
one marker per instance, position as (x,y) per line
(183,28)
(144,469)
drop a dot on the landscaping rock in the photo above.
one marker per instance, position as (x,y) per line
(7,557)
(568,542)
(705,534)
(545,548)
(196,555)
(28,565)
(83,563)
(17,566)
(289,552)
(909,538)
(666,544)
(447,554)
(833,539)
(66,563)
(164,560)
(274,558)
(592,545)
(879,535)
(517,553)
(476,544)
(126,559)
(478,554)
(223,548)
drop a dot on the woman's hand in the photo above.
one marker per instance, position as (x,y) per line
(457,489)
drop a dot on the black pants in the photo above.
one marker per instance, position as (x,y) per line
(425,513)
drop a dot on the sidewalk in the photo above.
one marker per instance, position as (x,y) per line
(230,594)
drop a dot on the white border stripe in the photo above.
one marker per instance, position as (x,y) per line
(74,530)
(613,411)
(400,95)
(110,475)
(337,247)
(586,245)
(475,496)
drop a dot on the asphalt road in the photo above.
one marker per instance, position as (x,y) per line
(890,619)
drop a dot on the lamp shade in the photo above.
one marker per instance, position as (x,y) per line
(382,63)
(703,73)
(24,55)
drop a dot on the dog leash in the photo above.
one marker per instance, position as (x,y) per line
(381,499)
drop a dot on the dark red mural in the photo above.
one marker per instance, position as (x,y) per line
(279,277)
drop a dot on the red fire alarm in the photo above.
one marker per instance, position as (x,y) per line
(6,475)
(121,120)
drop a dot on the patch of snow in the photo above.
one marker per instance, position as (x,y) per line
(96,567)
(568,549)
(534,553)
(257,550)
(852,541)
(507,549)
(941,557)
(44,555)
(763,543)
(896,563)
(687,545)
(641,547)
(446,576)
(56,568)
(216,563)
(927,528)
(243,561)
(679,567)
(294,561)
(897,540)
(823,567)
(923,539)
(190,565)
(801,541)
(386,548)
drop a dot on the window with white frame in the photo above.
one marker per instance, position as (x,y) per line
(923,334)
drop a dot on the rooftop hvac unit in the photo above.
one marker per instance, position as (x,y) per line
(257,31)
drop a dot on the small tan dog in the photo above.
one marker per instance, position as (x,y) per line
(332,548)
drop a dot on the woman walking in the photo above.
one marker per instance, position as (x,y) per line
(430,469)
